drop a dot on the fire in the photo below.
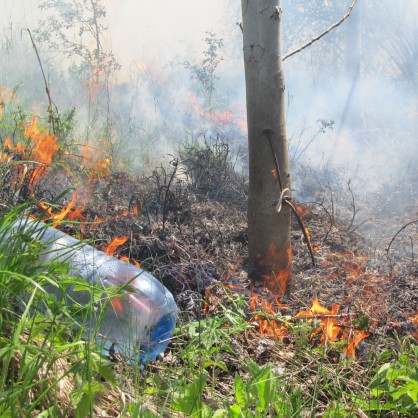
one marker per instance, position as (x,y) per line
(270,328)
(217,117)
(76,215)
(316,309)
(9,148)
(45,148)
(127,260)
(353,342)
(282,278)
(40,150)
(57,217)
(414,318)
(126,212)
(45,144)
(98,160)
(94,82)
(302,213)
(277,281)
(116,242)
(330,329)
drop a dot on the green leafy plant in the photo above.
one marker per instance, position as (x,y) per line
(396,383)
(188,399)
(258,393)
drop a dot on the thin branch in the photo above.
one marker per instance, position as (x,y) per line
(318,37)
(269,133)
(292,204)
(353,205)
(175,163)
(331,223)
(394,237)
(51,102)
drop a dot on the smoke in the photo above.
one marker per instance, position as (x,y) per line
(156,33)
(373,101)
(362,76)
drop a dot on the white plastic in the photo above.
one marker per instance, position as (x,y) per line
(141,322)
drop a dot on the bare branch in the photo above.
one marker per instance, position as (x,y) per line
(48,93)
(394,237)
(318,37)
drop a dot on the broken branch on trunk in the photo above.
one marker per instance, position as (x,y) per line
(290,202)
(287,199)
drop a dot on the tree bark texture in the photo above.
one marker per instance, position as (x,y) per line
(268,231)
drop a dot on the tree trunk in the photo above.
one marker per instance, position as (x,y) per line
(268,231)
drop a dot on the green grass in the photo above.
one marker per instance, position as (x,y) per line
(216,366)
(213,369)
(44,357)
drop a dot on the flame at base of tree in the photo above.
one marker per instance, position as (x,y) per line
(276,281)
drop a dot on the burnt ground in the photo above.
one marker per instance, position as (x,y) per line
(193,238)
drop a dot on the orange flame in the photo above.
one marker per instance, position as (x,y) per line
(127,260)
(354,341)
(277,282)
(414,318)
(268,327)
(44,150)
(76,215)
(253,302)
(126,212)
(9,147)
(94,82)
(316,309)
(97,159)
(222,118)
(57,217)
(330,328)
(116,242)
(303,212)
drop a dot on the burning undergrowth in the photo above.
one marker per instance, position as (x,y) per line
(192,242)
(186,224)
